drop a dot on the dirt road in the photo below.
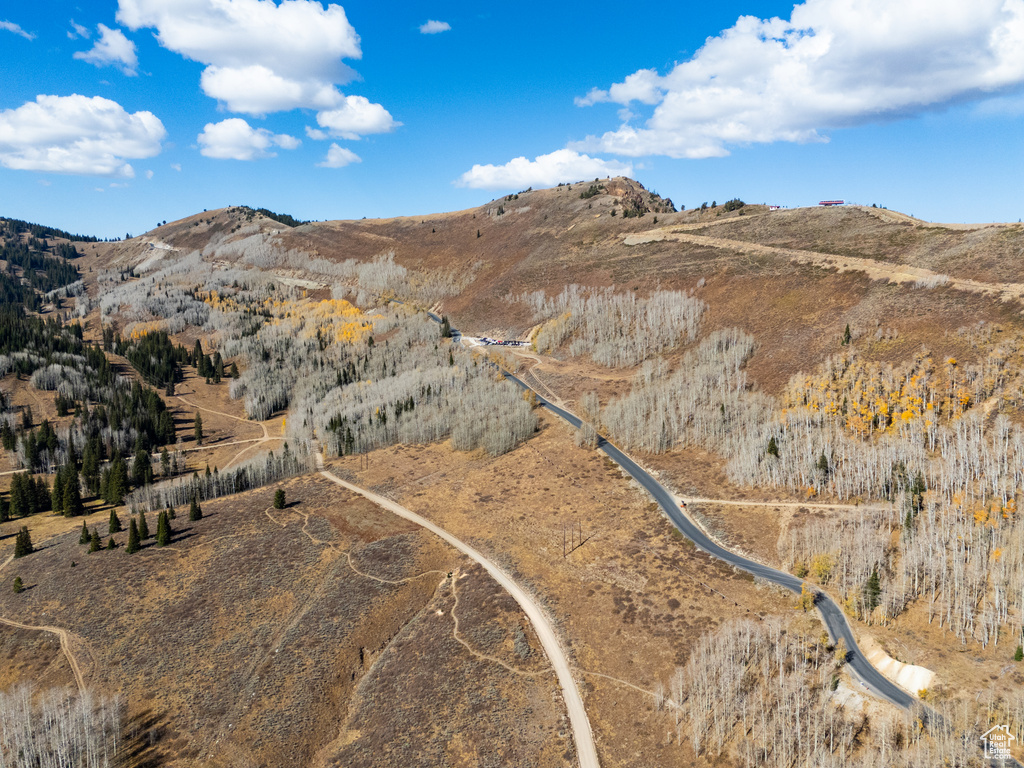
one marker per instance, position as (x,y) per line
(582,734)
(876,270)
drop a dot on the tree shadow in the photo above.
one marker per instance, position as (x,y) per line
(142,745)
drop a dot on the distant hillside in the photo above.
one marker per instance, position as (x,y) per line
(481,260)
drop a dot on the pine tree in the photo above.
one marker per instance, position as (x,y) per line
(117,482)
(170,513)
(846,335)
(279,501)
(72,495)
(143,526)
(165,462)
(111,544)
(84,538)
(199,429)
(94,541)
(1018,655)
(18,586)
(133,538)
(163,530)
(872,591)
(23,544)
(142,468)
(773,447)
(115,523)
(57,493)
(195,512)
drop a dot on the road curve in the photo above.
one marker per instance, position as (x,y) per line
(831,614)
(65,646)
(586,750)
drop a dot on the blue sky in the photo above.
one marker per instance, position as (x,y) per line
(118,114)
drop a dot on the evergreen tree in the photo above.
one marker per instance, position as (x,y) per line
(846,335)
(823,466)
(94,542)
(57,493)
(1018,655)
(117,482)
(234,371)
(143,526)
(91,465)
(133,538)
(195,512)
(23,544)
(111,544)
(199,430)
(163,530)
(170,513)
(84,538)
(773,447)
(115,523)
(42,495)
(165,462)
(18,586)
(197,354)
(72,495)
(279,501)
(7,436)
(19,500)
(142,469)
(872,591)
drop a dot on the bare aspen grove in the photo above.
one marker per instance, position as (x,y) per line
(768,695)
(615,329)
(926,438)
(52,729)
(321,360)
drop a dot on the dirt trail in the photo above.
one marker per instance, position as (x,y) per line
(253,443)
(582,733)
(63,635)
(493,659)
(784,504)
(877,270)
(259,424)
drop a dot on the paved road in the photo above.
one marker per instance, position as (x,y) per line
(831,614)
(586,750)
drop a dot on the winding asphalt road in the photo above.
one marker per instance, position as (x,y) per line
(831,614)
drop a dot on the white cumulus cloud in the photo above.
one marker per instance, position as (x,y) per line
(356,116)
(235,139)
(339,157)
(433,27)
(77,134)
(544,171)
(10,26)
(832,64)
(112,48)
(261,56)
